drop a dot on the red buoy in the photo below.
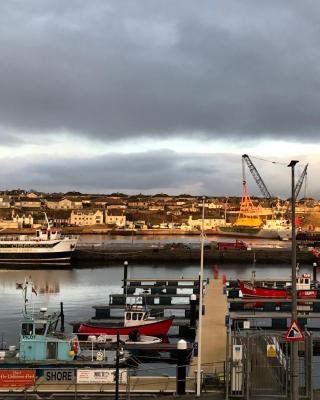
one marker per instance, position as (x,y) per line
(216,271)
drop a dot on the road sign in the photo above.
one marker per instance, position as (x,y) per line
(294,332)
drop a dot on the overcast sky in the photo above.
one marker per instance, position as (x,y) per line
(158,96)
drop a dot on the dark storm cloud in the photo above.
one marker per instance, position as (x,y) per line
(147,172)
(123,69)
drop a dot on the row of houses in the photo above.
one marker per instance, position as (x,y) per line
(74,218)
(27,209)
(69,203)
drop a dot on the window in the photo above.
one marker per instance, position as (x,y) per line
(40,328)
(140,316)
(27,329)
(134,316)
(128,316)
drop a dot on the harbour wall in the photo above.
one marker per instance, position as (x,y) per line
(177,254)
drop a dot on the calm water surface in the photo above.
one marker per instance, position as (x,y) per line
(79,289)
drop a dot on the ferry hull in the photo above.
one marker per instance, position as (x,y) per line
(157,328)
(52,258)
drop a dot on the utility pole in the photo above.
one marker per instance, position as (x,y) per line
(117,367)
(294,344)
(200,305)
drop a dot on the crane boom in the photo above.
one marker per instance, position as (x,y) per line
(300,181)
(263,188)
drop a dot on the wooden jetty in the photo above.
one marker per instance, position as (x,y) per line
(159,294)
(214,333)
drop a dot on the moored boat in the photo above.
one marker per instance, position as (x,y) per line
(136,318)
(133,338)
(278,229)
(47,247)
(305,289)
(42,345)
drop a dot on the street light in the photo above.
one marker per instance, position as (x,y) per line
(294,355)
(200,304)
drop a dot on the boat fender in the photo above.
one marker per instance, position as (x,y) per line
(75,346)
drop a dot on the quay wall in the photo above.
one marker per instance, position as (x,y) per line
(147,255)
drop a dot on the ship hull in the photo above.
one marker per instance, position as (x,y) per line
(247,232)
(156,328)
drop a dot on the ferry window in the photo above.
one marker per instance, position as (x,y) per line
(40,328)
(128,316)
(27,329)
(307,281)
(134,316)
(140,316)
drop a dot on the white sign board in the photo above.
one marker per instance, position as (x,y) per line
(237,352)
(100,376)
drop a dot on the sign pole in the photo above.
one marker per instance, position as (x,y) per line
(294,348)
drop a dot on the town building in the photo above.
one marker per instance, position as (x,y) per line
(86,217)
(115,217)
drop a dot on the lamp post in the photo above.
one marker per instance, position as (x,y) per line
(294,354)
(200,304)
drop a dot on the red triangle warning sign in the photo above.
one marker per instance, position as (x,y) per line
(294,332)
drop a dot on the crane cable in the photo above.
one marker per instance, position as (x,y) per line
(275,162)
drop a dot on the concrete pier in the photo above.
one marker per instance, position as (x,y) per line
(146,254)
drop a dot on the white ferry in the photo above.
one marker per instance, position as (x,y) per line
(47,247)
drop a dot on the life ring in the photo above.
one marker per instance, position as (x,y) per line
(75,346)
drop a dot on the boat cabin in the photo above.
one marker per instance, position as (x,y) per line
(136,316)
(48,234)
(39,340)
(304,282)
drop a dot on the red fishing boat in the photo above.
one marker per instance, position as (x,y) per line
(304,289)
(315,253)
(135,319)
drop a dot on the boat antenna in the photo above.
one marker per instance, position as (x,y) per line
(24,294)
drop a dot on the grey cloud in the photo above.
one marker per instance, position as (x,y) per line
(122,69)
(148,172)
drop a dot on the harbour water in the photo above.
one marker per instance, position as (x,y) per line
(79,289)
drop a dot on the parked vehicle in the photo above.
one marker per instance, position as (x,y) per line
(238,244)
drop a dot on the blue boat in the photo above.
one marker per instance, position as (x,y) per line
(44,344)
